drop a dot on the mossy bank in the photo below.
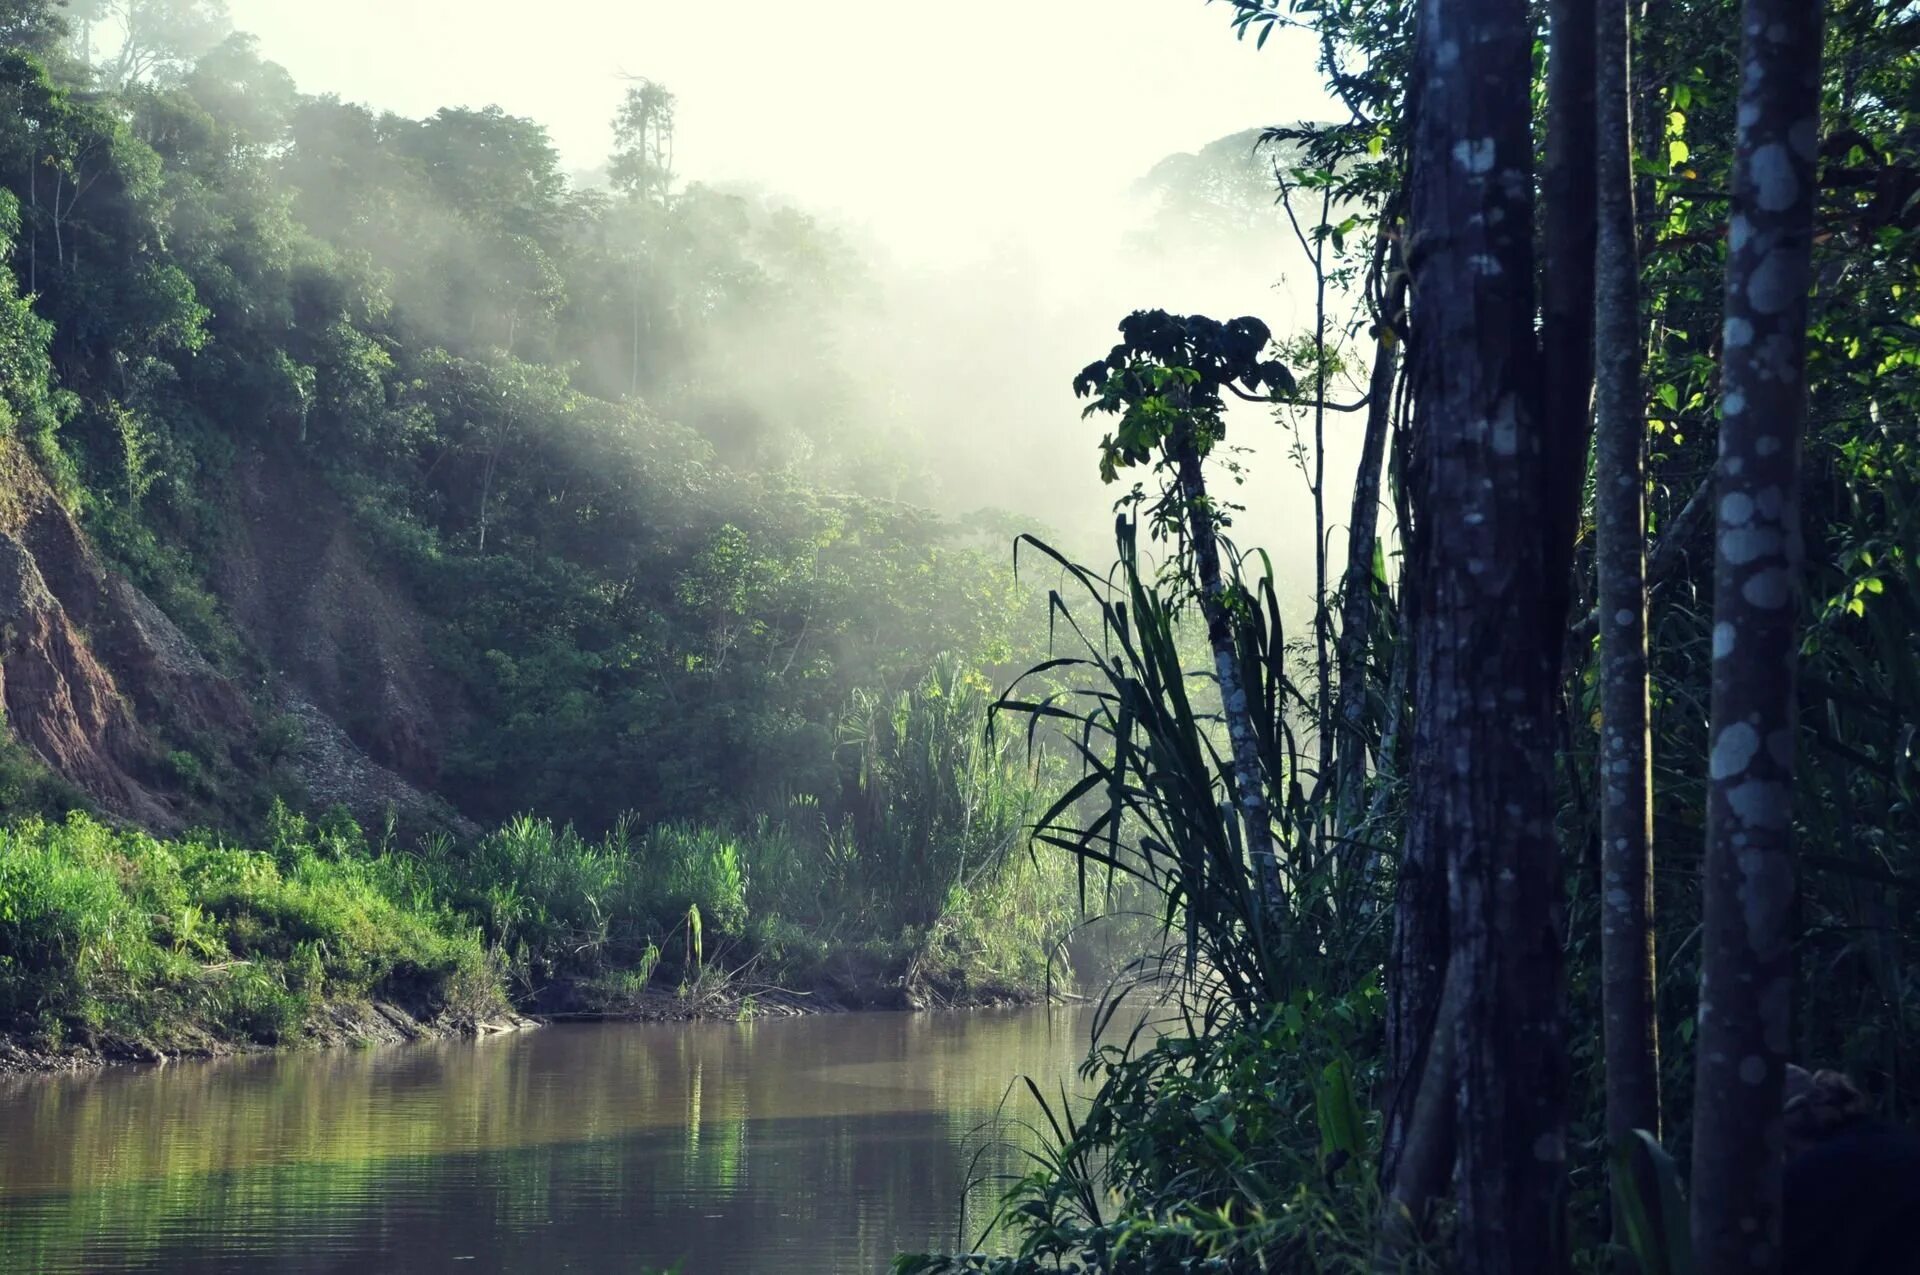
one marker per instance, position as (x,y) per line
(117,945)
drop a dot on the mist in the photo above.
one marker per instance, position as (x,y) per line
(987,172)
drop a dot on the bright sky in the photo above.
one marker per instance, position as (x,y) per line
(920,121)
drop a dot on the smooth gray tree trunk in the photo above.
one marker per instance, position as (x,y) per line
(1746,965)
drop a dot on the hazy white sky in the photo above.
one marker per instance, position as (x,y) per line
(920,121)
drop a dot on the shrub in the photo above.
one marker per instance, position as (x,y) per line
(102,929)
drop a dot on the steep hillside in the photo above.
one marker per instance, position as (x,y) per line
(77,645)
(435,464)
(108,693)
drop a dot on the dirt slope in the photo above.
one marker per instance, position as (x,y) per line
(100,685)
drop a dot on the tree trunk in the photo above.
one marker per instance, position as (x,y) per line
(1249,779)
(1568,229)
(1746,965)
(1651,120)
(1488,622)
(1429,1144)
(486,494)
(1322,615)
(1357,587)
(1620,526)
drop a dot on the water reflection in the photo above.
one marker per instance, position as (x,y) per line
(819,1145)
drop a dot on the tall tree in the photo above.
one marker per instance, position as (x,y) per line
(36,26)
(162,35)
(1357,588)
(642,164)
(1166,381)
(1620,522)
(1487,635)
(1746,966)
(1567,238)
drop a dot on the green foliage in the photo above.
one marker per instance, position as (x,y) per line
(541,405)
(934,804)
(112,934)
(1652,1212)
(1205,1147)
(1152,800)
(563,906)
(1168,375)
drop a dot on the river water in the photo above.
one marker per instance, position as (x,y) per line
(821,1145)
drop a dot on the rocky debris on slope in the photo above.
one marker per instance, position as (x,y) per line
(335,628)
(336,772)
(91,668)
(170,680)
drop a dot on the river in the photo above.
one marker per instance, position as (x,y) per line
(822,1144)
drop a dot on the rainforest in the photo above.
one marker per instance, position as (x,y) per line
(1233,635)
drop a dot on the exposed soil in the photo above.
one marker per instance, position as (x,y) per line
(62,700)
(382,1022)
(100,685)
(337,631)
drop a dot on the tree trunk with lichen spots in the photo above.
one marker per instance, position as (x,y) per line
(1488,612)
(1620,530)
(1746,963)
(1249,777)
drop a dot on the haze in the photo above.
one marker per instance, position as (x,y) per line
(986,151)
(934,125)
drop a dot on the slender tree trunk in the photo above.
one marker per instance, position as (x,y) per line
(486,494)
(1620,527)
(633,386)
(59,238)
(1746,964)
(1357,586)
(1568,234)
(1488,624)
(1322,615)
(1249,779)
(1650,121)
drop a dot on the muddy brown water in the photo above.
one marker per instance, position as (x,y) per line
(821,1145)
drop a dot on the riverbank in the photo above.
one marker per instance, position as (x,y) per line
(117,947)
(333,1027)
(358,1025)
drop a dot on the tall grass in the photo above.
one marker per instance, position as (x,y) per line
(108,932)
(935,804)
(559,905)
(1236,1133)
(1155,795)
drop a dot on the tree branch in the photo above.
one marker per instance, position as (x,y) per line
(1280,400)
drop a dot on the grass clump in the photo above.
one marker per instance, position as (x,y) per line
(113,935)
